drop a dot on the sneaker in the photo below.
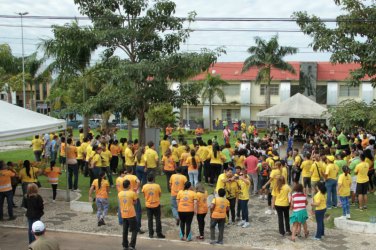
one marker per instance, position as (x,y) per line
(314,238)
(269,212)
(245,225)
(261,197)
(241,223)
(328,208)
(76,190)
(275,212)
(364,207)
(53,201)
(348,216)
(219,242)
(213,242)
(343,217)
(161,236)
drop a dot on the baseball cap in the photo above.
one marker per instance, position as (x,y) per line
(330,158)
(174,142)
(38,227)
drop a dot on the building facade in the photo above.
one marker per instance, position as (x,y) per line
(323,82)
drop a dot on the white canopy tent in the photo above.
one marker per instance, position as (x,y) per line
(16,122)
(297,106)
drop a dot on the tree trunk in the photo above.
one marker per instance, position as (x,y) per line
(141,128)
(86,124)
(210,115)
(129,129)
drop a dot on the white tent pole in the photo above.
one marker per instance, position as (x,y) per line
(66,170)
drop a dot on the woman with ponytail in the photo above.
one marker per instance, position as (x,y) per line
(344,183)
(192,162)
(102,188)
(187,207)
(28,174)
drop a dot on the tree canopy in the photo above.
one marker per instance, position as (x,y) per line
(351,40)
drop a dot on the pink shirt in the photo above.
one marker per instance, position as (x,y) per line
(251,164)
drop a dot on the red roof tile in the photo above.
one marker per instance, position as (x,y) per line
(231,71)
(327,71)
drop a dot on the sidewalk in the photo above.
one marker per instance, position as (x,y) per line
(263,232)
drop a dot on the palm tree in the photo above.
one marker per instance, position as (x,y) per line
(212,87)
(265,56)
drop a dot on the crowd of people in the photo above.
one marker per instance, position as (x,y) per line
(333,169)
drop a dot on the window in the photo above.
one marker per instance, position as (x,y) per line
(345,90)
(2,96)
(37,92)
(231,90)
(230,114)
(321,94)
(274,89)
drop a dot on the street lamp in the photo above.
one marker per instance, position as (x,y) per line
(21,14)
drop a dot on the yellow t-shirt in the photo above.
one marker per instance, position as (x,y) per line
(82,137)
(331,171)
(175,154)
(274,174)
(202,202)
(126,200)
(168,163)
(25,178)
(62,149)
(282,197)
(344,183)
(306,168)
(96,160)
(243,190)
(362,170)
(101,192)
(315,176)
(297,160)
(165,144)
(119,184)
(216,160)
(186,200)
(129,157)
(152,193)
(240,161)
(220,182)
(284,173)
(133,180)
(183,158)
(203,153)
(232,189)
(140,162)
(221,205)
(177,182)
(89,152)
(106,157)
(151,158)
(320,199)
(37,144)
(181,150)
(80,155)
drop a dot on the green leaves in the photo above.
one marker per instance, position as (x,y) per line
(160,115)
(352,40)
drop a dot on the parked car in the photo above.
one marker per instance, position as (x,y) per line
(74,123)
(93,124)
(125,125)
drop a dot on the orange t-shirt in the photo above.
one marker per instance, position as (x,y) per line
(199,131)
(5,181)
(177,182)
(119,184)
(152,192)
(169,164)
(115,150)
(169,130)
(189,163)
(202,202)
(186,200)
(126,200)
(71,152)
(102,191)
(53,175)
(133,180)
(221,205)
(62,149)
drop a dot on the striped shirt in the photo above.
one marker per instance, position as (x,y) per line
(299,200)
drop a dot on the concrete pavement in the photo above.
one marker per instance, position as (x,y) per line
(14,239)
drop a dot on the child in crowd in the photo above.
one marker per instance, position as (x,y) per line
(52,174)
(298,204)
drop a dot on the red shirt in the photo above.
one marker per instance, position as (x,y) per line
(251,164)
(299,200)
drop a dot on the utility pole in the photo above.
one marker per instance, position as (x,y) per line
(21,14)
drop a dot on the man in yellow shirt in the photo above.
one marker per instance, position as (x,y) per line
(128,199)
(153,193)
(362,179)
(37,145)
(251,129)
(243,197)
(165,144)
(331,173)
(129,156)
(151,159)
(306,174)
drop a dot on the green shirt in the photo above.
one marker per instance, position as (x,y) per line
(342,139)
(227,154)
(353,164)
(340,164)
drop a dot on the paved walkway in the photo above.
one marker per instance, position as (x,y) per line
(263,232)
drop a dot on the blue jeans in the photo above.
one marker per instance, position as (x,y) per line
(138,213)
(193,177)
(102,207)
(320,223)
(345,204)
(243,204)
(73,170)
(31,235)
(141,174)
(9,196)
(331,189)
(174,207)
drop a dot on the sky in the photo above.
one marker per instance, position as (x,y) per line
(235,43)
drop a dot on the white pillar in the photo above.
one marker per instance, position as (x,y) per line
(367,92)
(245,101)
(332,94)
(205,115)
(284,91)
(175,87)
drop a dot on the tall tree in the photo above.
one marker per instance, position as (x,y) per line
(265,56)
(212,86)
(71,49)
(150,36)
(351,40)
(10,66)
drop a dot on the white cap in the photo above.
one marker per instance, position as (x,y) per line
(38,227)
(174,143)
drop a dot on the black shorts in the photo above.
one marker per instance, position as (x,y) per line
(307,182)
(62,159)
(362,188)
(264,180)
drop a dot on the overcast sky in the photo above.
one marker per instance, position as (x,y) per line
(236,43)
